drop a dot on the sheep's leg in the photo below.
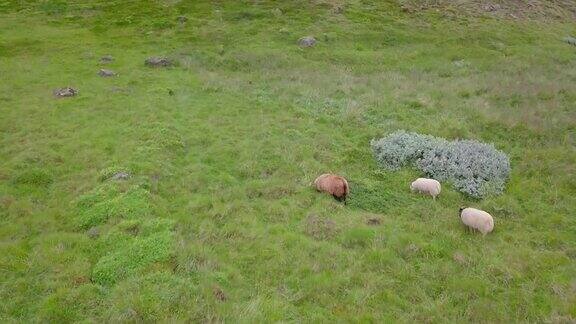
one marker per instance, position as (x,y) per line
(340,199)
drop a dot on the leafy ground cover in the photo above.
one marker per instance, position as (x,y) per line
(218,220)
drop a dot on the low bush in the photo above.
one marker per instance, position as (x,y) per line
(157,136)
(106,202)
(320,228)
(110,172)
(358,237)
(474,168)
(33,177)
(134,257)
(402,148)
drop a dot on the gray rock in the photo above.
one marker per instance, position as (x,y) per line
(570,40)
(182,19)
(121,176)
(489,7)
(65,92)
(459,63)
(106,59)
(338,9)
(106,73)
(158,62)
(307,41)
(93,232)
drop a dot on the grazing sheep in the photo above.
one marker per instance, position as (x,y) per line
(477,219)
(335,185)
(426,186)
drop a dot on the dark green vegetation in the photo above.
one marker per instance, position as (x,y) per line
(219,221)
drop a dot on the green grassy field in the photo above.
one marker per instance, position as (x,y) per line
(219,221)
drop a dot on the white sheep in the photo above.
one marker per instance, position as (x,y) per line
(477,219)
(426,186)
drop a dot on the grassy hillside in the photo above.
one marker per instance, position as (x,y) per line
(218,221)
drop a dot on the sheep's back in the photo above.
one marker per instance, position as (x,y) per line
(426,185)
(331,184)
(477,219)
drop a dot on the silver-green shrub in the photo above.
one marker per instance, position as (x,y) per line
(402,148)
(474,168)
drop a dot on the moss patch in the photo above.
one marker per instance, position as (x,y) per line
(128,260)
(97,207)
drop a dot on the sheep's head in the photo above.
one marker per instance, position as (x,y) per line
(461,209)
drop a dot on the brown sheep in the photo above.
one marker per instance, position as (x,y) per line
(333,184)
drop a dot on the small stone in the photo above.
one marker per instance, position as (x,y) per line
(93,232)
(182,19)
(491,7)
(158,62)
(338,9)
(65,92)
(106,59)
(570,40)
(307,41)
(411,249)
(459,63)
(121,176)
(106,73)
